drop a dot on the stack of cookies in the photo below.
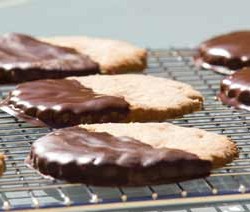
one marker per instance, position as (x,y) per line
(109,133)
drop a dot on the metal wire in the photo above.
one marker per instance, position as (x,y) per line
(21,187)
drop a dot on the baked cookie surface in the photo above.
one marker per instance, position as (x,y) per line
(217,149)
(225,53)
(113,56)
(110,98)
(150,98)
(117,155)
(24,58)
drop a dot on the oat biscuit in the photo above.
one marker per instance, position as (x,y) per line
(150,98)
(24,58)
(101,99)
(217,149)
(135,154)
(113,56)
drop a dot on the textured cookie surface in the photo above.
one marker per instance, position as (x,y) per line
(212,147)
(134,154)
(99,158)
(112,55)
(101,99)
(225,53)
(24,58)
(150,98)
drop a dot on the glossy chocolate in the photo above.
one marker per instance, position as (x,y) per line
(77,155)
(60,103)
(23,58)
(231,51)
(235,89)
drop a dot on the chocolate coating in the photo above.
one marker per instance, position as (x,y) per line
(231,51)
(62,102)
(235,89)
(79,156)
(23,58)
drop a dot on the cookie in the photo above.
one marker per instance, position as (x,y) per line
(150,98)
(114,56)
(208,146)
(60,103)
(101,98)
(117,155)
(24,58)
(225,53)
(2,164)
(235,89)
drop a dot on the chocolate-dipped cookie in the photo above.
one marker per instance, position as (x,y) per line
(113,56)
(235,89)
(225,53)
(102,98)
(24,58)
(117,155)
(62,102)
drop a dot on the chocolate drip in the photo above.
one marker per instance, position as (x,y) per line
(61,103)
(231,51)
(235,89)
(77,155)
(23,58)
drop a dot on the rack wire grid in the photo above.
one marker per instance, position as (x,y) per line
(23,188)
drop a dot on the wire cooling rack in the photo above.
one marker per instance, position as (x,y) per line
(23,188)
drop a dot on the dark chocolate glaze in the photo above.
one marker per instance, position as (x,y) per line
(231,51)
(62,102)
(23,58)
(79,156)
(235,89)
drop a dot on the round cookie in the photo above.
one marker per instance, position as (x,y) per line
(217,149)
(235,89)
(150,98)
(117,155)
(225,53)
(61,103)
(24,58)
(110,98)
(113,56)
